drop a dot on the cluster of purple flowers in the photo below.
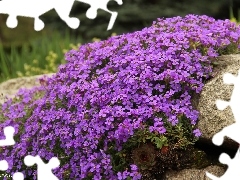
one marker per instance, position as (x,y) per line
(108,89)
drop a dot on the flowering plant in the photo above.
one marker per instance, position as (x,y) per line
(116,94)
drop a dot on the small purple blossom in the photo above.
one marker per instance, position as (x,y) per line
(197,133)
(109,89)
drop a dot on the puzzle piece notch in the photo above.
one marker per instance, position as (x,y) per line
(8,141)
(232,172)
(9,133)
(3,165)
(44,170)
(36,8)
(18,176)
(231,131)
(101,4)
(234,102)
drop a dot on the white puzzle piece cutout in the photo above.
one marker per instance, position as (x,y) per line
(101,4)
(9,133)
(232,172)
(3,165)
(36,8)
(8,141)
(232,131)
(44,170)
(18,176)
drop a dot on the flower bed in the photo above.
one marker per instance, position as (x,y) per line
(115,96)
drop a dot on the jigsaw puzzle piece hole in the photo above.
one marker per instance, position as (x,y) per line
(212,177)
(91,13)
(38,24)
(3,165)
(12,21)
(54,162)
(18,176)
(224,159)
(221,105)
(218,139)
(229,78)
(29,160)
(73,22)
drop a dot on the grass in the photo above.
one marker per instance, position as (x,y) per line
(24,32)
(40,56)
(44,54)
(232,17)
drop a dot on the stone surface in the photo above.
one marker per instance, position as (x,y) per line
(212,120)
(194,174)
(10,88)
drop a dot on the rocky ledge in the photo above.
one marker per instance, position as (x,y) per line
(211,120)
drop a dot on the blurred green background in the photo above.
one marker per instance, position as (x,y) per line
(25,52)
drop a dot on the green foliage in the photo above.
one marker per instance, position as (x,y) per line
(5,176)
(230,49)
(132,15)
(42,56)
(23,33)
(232,17)
(179,136)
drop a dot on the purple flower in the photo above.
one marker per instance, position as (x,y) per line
(197,132)
(123,175)
(134,167)
(108,90)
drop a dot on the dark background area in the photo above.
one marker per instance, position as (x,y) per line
(132,15)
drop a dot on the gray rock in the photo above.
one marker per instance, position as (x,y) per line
(194,174)
(10,88)
(212,120)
